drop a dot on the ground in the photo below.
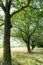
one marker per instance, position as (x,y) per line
(20,56)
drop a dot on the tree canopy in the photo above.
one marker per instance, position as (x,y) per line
(24,18)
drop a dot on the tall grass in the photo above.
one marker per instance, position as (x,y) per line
(20,58)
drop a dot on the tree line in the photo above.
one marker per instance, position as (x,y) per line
(18,6)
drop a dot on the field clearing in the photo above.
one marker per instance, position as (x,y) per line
(23,50)
(19,50)
(20,56)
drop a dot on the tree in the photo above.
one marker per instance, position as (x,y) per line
(34,38)
(37,37)
(6,5)
(23,25)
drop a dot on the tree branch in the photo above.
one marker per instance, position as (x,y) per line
(2,5)
(21,29)
(22,8)
(35,39)
(23,37)
(18,10)
(2,24)
(33,30)
(35,7)
(10,1)
(2,20)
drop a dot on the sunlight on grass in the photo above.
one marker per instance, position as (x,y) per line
(1,52)
(20,58)
(35,58)
(28,59)
(1,55)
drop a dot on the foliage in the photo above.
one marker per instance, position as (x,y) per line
(27,25)
(18,6)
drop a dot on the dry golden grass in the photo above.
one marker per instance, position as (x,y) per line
(14,51)
(19,50)
(1,52)
(20,56)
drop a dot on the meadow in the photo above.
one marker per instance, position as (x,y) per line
(20,56)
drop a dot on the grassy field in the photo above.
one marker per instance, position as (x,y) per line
(20,56)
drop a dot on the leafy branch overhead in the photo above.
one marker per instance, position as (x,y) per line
(9,4)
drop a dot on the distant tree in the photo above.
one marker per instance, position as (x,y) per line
(37,37)
(26,25)
(25,28)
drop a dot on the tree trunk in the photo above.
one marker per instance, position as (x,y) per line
(28,46)
(33,45)
(7,52)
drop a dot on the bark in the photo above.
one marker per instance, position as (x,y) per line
(7,52)
(33,45)
(28,46)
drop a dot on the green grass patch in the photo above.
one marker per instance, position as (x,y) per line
(35,58)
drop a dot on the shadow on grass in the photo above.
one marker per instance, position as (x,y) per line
(25,59)
(16,63)
(38,60)
(37,53)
